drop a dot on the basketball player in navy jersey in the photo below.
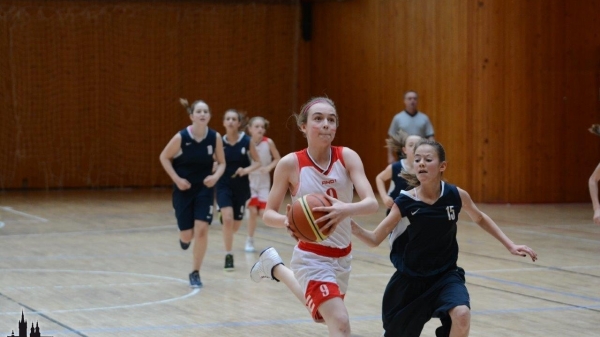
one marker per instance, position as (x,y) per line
(233,189)
(188,159)
(320,272)
(404,144)
(429,283)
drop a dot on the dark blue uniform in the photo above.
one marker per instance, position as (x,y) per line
(399,182)
(194,164)
(428,282)
(398,243)
(235,191)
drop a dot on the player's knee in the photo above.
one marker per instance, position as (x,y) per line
(461,317)
(186,236)
(340,322)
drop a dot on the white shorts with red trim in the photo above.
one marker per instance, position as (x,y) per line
(321,277)
(260,184)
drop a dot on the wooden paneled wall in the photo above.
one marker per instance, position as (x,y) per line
(510,86)
(89,90)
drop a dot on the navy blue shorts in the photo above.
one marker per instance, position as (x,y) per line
(235,198)
(192,204)
(409,303)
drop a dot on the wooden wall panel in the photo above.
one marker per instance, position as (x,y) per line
(509,86)
(92,87)
(581,150)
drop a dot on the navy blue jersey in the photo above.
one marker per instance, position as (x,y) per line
(236,156)
(399,182)
(196,159)
(431,248)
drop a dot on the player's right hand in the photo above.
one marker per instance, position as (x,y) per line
(183,184)
(286,222)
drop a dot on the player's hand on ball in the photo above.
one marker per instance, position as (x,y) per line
(286,222)
(337,212)
(523,250)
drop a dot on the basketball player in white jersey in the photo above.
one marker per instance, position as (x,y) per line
(319,271)
(260,180)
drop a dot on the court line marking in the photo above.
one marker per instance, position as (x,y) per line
(99,231)
(242,324)
(191,293)
(527,286)
(12,210)
(527,231)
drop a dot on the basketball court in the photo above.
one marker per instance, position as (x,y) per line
(107,263)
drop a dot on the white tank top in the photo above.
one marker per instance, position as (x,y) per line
(334,181)
(264,153)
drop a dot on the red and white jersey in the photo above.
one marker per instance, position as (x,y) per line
(334,181)
(264,153)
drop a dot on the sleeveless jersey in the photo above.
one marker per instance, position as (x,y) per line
(236,156)
(195,160)
(431,248)
(399,182)
(334,181)
(264,153)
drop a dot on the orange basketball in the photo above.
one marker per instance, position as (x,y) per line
(302,219)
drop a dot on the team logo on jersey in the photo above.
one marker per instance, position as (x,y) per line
(327,182)
(243,150)
(209,149)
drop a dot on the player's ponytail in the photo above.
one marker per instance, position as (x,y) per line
(190,108)
(184,102)
(396,142)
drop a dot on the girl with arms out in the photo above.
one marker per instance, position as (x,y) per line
(428,282)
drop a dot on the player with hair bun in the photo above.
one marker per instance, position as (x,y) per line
(188,159)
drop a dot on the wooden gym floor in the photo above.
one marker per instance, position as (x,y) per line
(108,263)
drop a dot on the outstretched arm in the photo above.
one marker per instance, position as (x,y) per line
(375,237)
(593,185)
(485,222)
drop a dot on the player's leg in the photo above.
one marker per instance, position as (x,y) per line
(336,317)
(254,214)
(461,321)
(270,266)
(452,305)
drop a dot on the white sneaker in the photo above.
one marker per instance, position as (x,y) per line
(249,245)
(263,269)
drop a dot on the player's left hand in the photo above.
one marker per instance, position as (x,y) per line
(337,212)
(523,250)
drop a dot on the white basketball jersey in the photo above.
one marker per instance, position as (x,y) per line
(264,153)
(333,181)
